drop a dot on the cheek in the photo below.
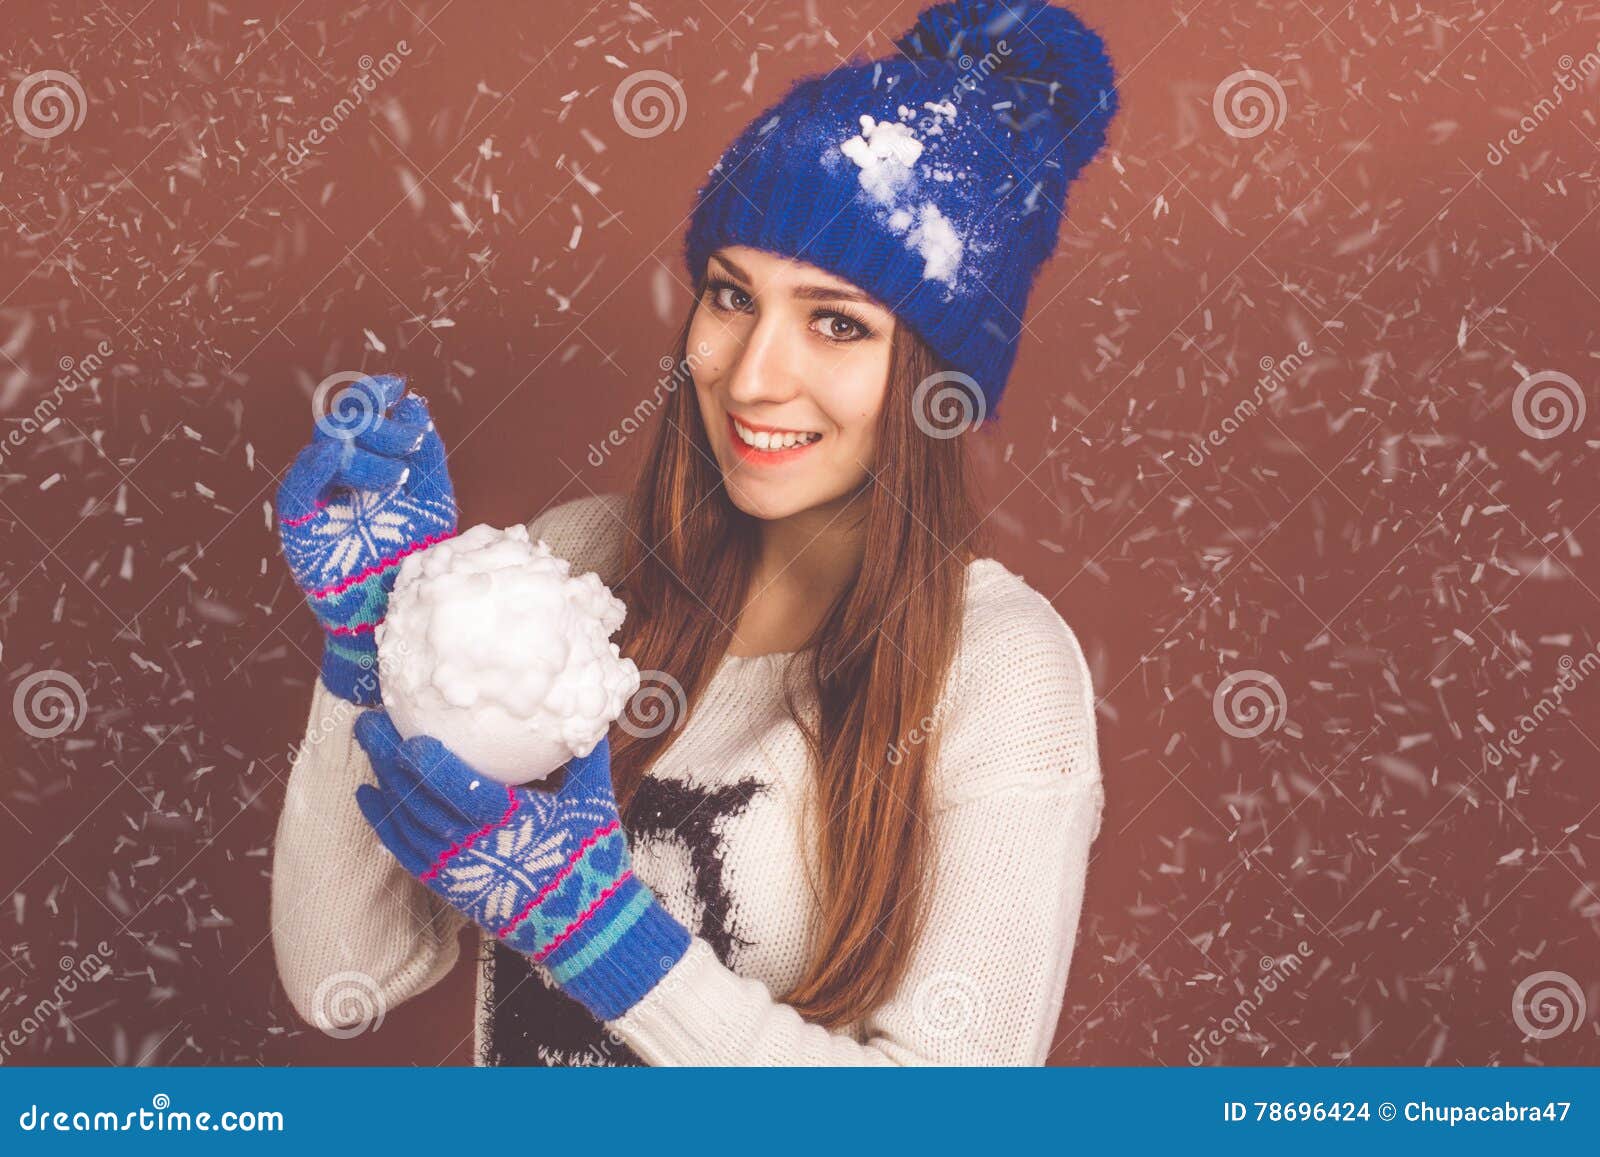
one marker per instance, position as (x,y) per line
(706,343)
(857,402)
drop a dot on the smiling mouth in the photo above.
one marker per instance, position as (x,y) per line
(769,446)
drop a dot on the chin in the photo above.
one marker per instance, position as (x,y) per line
(774,500)
(764,502)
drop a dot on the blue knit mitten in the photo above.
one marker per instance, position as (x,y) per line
(547,872)
(370,488)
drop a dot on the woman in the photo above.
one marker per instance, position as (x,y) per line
(859,834)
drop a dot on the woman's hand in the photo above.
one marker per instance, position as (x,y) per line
(370,488)
(547,872)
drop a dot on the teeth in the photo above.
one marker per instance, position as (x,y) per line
(763,440)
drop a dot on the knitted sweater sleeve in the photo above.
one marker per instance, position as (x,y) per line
(1017,804)
(352,931)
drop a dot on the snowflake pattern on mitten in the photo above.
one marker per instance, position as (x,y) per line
(371,488)
(362,528)
(572,842)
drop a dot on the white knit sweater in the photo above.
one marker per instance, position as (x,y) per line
(1016,802)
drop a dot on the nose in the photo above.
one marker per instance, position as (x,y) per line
(765,370)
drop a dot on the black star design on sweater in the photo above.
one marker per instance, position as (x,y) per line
(670,809)
(531,1022)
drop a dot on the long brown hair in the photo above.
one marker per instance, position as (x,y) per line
(876,664)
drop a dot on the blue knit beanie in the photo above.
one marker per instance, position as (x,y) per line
(934,180)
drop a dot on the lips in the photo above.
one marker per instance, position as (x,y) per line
(747,453)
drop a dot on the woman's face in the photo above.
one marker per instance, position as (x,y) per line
(796,357)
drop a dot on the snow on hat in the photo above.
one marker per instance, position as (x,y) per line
(935,179)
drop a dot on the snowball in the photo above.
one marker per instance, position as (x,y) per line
(493,648)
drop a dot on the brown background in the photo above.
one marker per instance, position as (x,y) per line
(1382,538)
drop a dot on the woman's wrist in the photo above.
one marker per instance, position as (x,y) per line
(616,951)
(350,668)
(349,614)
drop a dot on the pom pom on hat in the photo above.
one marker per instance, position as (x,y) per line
(1055,64)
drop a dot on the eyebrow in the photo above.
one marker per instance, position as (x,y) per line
(807,292)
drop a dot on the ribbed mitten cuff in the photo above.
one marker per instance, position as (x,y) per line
(629,943)
(350,668)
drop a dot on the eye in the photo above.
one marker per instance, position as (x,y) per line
(841,327)
(716,287)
